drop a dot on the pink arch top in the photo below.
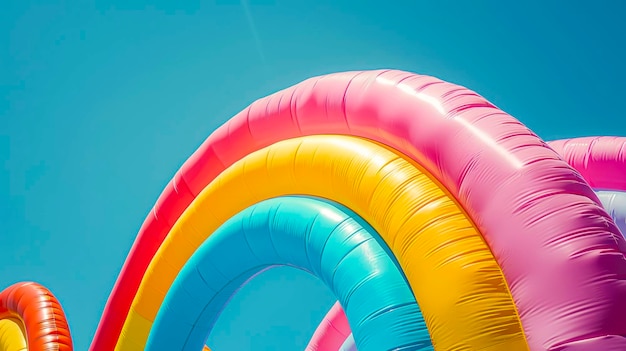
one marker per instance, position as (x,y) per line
(560,253)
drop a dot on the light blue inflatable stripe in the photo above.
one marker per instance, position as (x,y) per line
(349,344)
(318,236)
(614,203)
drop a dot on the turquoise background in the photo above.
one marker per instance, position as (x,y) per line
(102,101)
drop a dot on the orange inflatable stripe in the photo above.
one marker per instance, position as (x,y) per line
(41,314)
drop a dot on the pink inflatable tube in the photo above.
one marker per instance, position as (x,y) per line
(561,255)
(600,160)
(332,331)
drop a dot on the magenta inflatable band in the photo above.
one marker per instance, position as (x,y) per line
(600,160)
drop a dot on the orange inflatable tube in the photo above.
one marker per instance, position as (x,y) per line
(32,319)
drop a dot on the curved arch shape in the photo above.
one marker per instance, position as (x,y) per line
(455,278)
(331,332)
(600,160)
(38,316)
(614,203)
(313,235)
(501,172)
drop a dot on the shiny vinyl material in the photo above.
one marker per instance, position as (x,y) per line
(331,332)
(31,318)
(615,204)
(499,234)
(444,258)
(600,160)
(521,194)
(308,234)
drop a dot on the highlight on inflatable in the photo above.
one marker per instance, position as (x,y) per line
(438,221)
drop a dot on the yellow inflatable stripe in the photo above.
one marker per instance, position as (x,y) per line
(12,336)
(455,278)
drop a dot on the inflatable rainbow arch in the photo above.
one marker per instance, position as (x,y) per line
(438,221)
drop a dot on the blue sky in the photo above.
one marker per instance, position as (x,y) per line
(101,102)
